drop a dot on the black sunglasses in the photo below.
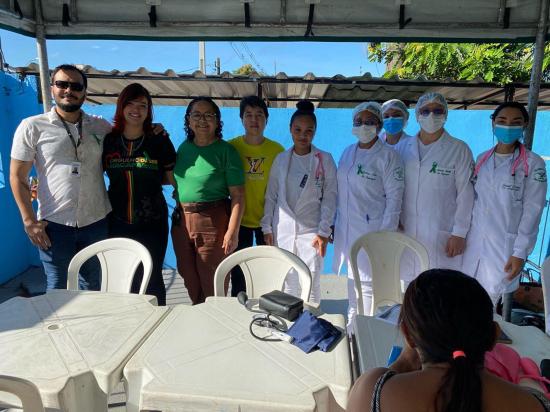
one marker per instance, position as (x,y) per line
(61,84)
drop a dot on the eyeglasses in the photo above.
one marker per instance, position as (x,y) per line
(366,123)
(436,112)
(196,116)
(61,84)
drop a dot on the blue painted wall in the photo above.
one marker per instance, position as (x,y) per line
(17,101)
(334,134)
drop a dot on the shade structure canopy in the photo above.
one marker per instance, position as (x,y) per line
(360,20)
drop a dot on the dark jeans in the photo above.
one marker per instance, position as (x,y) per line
(67,241)
(154,236)
(246,239)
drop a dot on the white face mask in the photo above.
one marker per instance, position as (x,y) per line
(364,133)
(431,123)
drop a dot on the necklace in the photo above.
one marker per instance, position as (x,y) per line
(128,151)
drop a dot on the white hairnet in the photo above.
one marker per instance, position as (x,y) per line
(371,107)
(396,105)
(431,97)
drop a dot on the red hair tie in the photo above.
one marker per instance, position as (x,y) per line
(459,354)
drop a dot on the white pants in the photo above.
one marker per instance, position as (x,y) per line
(292,285)
(366,292)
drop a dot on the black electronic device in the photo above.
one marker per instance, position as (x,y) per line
(281,304)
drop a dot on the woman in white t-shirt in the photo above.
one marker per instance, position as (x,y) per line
(300,202)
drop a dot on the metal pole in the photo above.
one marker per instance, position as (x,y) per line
(202,57)
(536,72)
(42,57)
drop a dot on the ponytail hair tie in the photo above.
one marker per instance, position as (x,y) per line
(459,354)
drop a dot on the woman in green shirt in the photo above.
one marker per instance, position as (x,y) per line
(210,185)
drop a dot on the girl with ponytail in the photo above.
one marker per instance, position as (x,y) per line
(447,323)
(300,200)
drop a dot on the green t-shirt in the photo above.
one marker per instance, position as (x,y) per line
(204,173)
(257,161)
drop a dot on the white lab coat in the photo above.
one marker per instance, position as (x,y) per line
(403,140)
(370,195)
(438,199)
(294,230)
(505,221)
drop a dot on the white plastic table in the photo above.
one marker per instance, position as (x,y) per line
(375,337)
(203,358)
(73,344)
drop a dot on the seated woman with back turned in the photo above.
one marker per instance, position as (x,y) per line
(447,322)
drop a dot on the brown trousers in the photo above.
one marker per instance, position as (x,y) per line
(197,244)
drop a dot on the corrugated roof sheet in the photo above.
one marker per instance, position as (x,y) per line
(170,88)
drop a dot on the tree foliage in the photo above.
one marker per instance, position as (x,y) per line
(492,62)
(244,70)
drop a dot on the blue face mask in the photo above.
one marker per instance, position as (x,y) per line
(394,125)
(508,134)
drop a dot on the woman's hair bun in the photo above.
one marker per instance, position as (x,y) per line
(305,106)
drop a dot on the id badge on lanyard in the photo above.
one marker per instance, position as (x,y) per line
(76,166)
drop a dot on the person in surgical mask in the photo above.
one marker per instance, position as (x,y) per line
(395,116)
(439,196)
(370,192)
(510,193)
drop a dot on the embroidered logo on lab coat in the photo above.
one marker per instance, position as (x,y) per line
(398,174)
(443,171)
(539,175)
(367,174)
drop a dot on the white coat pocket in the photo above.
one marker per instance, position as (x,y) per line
(513,188)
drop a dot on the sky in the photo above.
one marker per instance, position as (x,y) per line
(294,58)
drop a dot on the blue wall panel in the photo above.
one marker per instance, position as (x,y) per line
(17,101)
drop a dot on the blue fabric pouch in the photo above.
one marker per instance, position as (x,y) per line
(310,333)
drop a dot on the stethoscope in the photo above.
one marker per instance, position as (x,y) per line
(521,159)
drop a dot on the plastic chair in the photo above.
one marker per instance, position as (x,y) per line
(265,269)
(119,258)
(24,390)
(384,250)
(545,279)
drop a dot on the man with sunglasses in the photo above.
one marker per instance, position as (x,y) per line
(65,147)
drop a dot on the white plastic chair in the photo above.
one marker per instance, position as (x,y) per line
(545,278)
(384,250)
(26,391)
(119,258)
(265,269)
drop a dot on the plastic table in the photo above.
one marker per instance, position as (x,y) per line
(73,344)
(374,338)
(203,358)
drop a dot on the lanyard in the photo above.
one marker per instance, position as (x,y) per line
(70,135)
(521,158)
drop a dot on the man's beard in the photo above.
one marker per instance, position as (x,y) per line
(70,108)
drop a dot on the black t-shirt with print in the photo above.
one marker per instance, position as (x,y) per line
(135,169)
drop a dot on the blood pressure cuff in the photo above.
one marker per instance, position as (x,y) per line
(281,304)
(310,333)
